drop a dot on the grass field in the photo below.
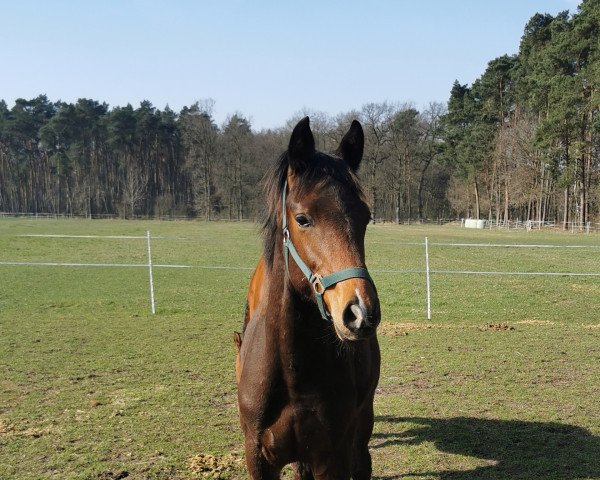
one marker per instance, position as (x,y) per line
(503,382)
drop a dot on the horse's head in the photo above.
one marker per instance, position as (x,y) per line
(324,222)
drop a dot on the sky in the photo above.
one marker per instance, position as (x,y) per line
(265,60)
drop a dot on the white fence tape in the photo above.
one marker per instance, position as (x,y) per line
(73,264)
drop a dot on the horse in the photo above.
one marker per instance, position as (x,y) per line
(308,359)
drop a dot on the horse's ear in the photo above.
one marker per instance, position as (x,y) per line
(302,146)
(352,145)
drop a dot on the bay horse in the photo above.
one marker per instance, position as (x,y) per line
(308,359)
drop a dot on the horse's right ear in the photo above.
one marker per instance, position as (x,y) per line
(302,146)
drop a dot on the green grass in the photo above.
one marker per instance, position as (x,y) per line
(501,383)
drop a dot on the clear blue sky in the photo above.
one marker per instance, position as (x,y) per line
(264,59)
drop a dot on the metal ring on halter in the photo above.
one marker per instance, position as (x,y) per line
(317,284)
(286,235)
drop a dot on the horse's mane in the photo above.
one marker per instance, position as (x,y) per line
(321,170)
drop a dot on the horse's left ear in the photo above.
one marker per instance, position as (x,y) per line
(352,145)
(302,146)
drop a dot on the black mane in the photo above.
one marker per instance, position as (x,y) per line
(322,169)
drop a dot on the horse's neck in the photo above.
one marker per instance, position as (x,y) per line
(290,315)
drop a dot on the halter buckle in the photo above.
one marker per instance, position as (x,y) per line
(286,235)
(317,284)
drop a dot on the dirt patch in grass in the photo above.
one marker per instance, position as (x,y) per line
(495,327)
(393,329)
(410,389)
(211,466)
(584,288)
(535,322)
(113,475)
(8,430)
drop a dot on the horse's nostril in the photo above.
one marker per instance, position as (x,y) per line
(360,320)
(349,316)
(354,316)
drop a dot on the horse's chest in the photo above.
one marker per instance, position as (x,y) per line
(330,379)
(323,396)
(312,371)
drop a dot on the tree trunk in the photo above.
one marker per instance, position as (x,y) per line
(477,209)
(566,209)
(240,192)
(506,219)
(398,201)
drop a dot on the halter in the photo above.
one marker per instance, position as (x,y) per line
(319,283)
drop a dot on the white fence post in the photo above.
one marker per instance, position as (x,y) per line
(427,279)
(150,273)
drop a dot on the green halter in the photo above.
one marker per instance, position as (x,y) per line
(319,283)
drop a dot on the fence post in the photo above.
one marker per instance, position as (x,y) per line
(427,279)
(150,273)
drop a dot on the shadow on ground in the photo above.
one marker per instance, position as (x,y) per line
(515,450)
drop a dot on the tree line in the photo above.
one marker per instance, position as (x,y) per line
(520,142)
(86,159)
(523,138)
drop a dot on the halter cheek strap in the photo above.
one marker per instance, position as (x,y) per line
(319,284)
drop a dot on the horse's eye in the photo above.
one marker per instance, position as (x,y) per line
(303,220)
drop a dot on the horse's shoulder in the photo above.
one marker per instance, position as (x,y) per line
(255,289)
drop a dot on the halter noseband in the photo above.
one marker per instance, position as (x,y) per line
(319,284)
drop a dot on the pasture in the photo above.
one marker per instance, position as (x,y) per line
(503,382)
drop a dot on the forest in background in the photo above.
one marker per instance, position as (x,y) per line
(521,142)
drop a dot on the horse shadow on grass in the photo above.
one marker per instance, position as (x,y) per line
(513,449)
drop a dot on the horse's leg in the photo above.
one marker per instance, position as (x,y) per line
(258,466)
(302,471)
(333,474)
(335,466)
(361,469)
(362,464)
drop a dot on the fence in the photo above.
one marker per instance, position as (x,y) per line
(150,266)
(428,271)
(573,227)
(95,216)
(115,216)
(429,268)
